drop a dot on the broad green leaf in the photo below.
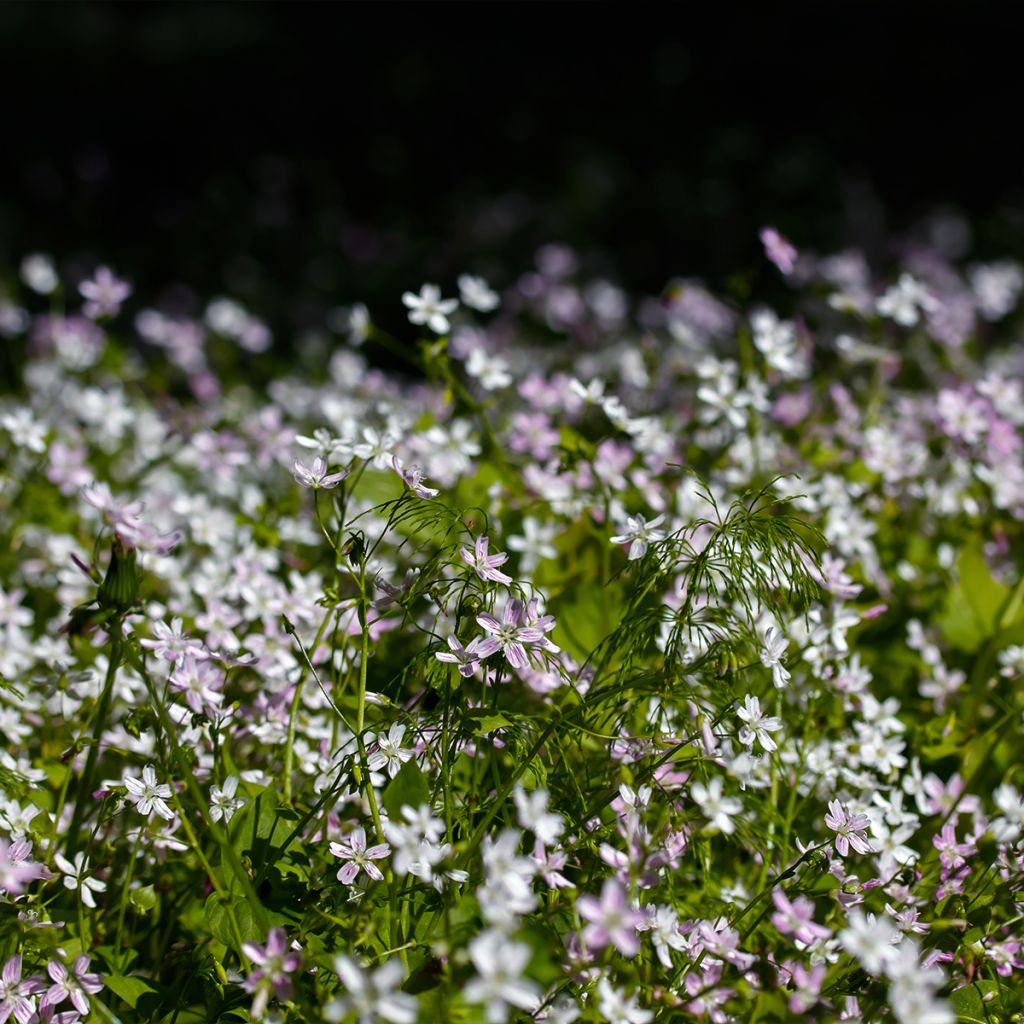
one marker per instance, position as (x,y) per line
(408,788)
(219,923)
(972,608)
(130,989)
(975,1003)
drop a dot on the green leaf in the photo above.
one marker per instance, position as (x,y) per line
(408,788)
(219,923)
(481,722)
(143,899)
(975,1003)
(972,608)
(130,989)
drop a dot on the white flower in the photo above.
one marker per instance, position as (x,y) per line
(429,308)
(373,996)
(618,1008)
(903,301)
(147,795)
(75,877)
(638,533)
(389,751)
(720,809)
(773,654)
(25,430)
(491,371)
(534,815)
(39,274)
(223,802)
(500,963)
(870,940)
(477,294)
(758,725)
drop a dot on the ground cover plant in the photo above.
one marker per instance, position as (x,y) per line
(607,659)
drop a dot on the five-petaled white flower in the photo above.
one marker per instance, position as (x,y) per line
(477,294)
(720,809)
(75,877)
(759,726)
(371,996)
(639,533)
(499,983)
(223,802)
(429,308)
(148,795)
(389,751)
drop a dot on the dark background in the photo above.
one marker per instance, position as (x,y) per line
(304,156)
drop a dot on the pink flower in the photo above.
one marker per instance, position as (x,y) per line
(467,658)
(16,869)
(797,918)
(509,635)
(412,477)
(611,919)
(17,995)
(274,964)
(483,564)
(848,828)
(76,986)
(779,250)
(356,855)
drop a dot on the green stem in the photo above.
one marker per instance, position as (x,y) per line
(228,852)
(99,727)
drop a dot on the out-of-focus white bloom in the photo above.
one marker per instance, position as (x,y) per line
(429,308)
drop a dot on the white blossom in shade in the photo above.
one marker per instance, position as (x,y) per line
(76,877)
(638,534)
(477,294)
(148,795)
(997,287)
(618,1008)
(905,301)
(389,752)
(773,656)
(533,814)
(223,800)
(499,984)
(490,371)
(534,544)
(1009,825)
(372,996)
(757,725)
(719,809)
(429,308)
(26,431)
(358,857)
(39,274)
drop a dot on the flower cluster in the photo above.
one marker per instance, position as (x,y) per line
(689,687)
